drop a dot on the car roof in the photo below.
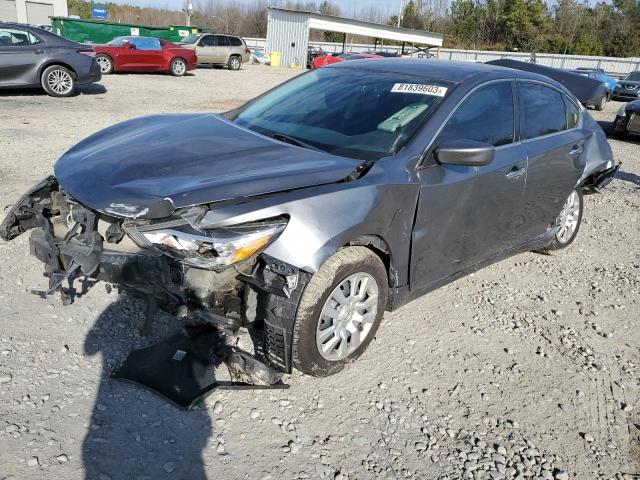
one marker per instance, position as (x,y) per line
(50,37)
(444,69)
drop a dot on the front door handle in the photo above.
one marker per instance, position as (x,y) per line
(516,172)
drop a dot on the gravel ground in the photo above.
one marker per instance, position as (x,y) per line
(527,369)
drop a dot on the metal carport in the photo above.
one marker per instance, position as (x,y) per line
(288,32)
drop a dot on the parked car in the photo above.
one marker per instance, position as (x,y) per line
(32,57)
(628,89)
(598,74)
(384,54)
(228,50)
(588,91)
(144,54)
(331,59)
(627,121)
(342,193)
(314,52)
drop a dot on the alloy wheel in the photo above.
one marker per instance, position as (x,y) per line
(347,316)
(60,82)
(567,221)
(179,67)
(235,63)
(104,63)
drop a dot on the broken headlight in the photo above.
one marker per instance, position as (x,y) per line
(217,248)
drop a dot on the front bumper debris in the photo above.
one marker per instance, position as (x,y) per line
(182,368)
(599,180)
(77,243)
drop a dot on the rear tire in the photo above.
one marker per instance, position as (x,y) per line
(358,277)
(106,64)
(601,104)
(568,222)
(58,81)
(178,67)
(234,63)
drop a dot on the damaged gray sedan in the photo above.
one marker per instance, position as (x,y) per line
(316,207)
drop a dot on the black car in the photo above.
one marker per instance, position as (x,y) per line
(33,57)
(628,89)
(627,120)
(316,207)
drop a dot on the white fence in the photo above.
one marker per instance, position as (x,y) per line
(612,65)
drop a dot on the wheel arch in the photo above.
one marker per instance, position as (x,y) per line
(381,248)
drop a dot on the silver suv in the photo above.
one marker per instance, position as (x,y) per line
(229,50)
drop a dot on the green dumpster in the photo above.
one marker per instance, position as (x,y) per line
(96,31)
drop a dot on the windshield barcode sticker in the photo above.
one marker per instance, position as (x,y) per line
(419,88)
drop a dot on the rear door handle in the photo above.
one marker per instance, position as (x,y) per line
(576,151)
(516,172)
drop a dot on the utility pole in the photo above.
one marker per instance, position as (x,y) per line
(188,9)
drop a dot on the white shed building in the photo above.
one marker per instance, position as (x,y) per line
(288,32)
(35,12)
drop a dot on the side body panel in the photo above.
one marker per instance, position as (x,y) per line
(466,214)
(19,65)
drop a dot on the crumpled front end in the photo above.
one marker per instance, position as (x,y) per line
(218,276)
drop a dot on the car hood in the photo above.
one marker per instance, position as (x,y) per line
(149,166)
(631,83)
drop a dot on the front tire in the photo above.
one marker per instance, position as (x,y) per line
(178,67)
(58,81)
(339,311)
(106,64)
(601,104)
(568,222)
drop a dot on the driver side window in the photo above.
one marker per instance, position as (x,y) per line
(485,116)
(207,41)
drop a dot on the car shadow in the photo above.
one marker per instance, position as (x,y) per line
(91,89)
(628,177)
(86,89)
(134,433)
(164,74)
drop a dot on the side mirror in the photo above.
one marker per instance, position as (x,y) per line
(465,152)
(131,46)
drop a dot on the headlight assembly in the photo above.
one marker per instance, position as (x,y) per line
(217,248)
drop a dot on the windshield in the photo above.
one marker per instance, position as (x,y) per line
(351,112)
(190,39)
(118,41)
(633,76)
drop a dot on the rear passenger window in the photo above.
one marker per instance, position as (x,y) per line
(485,116)
(235,41)
(572,113)
(221,41)
(543,110)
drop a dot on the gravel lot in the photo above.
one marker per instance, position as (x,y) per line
(527,369)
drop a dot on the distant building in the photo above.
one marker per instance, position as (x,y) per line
(35,13)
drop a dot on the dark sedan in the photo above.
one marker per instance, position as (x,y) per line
(627,120)
(32,57)
(628,89)
(311,210)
